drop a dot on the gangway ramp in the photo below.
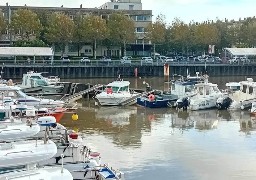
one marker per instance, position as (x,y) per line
(80,94)
(130,100)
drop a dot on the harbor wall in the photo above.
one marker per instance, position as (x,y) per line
(69,72)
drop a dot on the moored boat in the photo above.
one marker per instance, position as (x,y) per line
(117,93)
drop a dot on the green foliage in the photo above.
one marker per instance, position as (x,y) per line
(92,28)
(2,23)
(25,23)
(121,28)
(156,31)
(60,28)
(32,43)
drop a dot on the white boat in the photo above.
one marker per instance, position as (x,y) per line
(33,79)
(15,131)
(206,96)
(20,97)
(26,152)
(117,93)
(243,96)
(46,173)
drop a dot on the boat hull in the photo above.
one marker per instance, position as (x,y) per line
(206,103)
(14,131)
(155,104)
(47,173)
(26,152)
(115,100)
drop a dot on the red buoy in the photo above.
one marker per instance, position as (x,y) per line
(73,135)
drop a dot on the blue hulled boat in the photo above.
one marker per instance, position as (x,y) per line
(157,100)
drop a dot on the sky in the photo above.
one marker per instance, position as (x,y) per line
(186,10)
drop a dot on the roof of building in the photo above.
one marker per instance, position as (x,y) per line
(242,51)
(26,51)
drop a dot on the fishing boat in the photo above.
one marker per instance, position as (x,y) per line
(157,99)
(242,96)
(117,93)
(15,93)
(32,79)
(206,96)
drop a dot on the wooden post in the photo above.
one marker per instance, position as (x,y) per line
(166,72)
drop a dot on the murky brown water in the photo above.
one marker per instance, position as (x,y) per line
(152,144)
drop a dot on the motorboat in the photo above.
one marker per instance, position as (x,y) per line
(206,96)
(242,95)
(117,93)
(47,173)
(157,99)
(20,97)
(32,79)
(26,152)
(11,131)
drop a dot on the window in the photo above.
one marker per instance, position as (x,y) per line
(140,29)
(115,6)
(250,90)
(131,7)
(244,88)
(87,51)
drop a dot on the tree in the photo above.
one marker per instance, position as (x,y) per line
(180,34)
(156,31)
(92,29)
(206,34)
(25,23)
(59,29)
(2,24)
(121,29)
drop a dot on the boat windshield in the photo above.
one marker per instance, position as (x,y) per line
(189,88)
(125,88)
(41,82)
(37,77)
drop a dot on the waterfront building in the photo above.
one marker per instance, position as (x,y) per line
(131,8)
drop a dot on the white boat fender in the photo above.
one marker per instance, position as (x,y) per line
(46,121)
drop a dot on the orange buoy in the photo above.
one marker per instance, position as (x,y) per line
(151,97)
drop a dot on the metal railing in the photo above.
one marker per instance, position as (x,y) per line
(101,63)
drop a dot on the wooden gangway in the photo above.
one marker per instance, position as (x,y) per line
(130,100)
(80,94)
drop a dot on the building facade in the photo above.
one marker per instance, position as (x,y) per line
(131,8)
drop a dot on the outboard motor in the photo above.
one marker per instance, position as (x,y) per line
(223,103)
(183,103)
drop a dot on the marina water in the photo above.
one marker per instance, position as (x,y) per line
(152,144)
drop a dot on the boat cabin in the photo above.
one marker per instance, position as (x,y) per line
(118,87)
(233,86)
(248,87)
(180,88)
(32,79)
(205,89)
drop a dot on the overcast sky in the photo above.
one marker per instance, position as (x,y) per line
(186,10)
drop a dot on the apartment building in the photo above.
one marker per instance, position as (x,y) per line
(131,8)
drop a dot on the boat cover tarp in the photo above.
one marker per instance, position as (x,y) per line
(26,51)
(106,173)
(242,51)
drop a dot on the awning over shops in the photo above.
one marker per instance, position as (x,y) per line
(241,51)
(26,51)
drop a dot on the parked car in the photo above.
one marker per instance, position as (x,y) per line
(233,60)
(147,60)
(169,59)
(126,60)
(85,60)
(245,59)
(105,59)
(65,59)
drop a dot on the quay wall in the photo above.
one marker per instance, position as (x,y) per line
(69,72)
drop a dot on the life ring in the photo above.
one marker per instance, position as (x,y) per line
(109,90)
(151,97)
